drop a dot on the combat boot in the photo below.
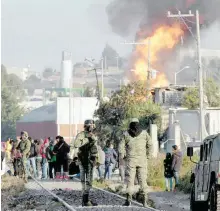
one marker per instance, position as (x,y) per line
(128,200)
(86,202)
(25,180)
(145,200)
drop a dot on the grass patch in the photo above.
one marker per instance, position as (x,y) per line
(11,186)
(155,176)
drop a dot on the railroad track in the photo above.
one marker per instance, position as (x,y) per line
(61,199)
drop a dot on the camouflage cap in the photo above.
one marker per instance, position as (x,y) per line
(24,133)
(134,120)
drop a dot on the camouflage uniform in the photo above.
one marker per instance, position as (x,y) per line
(135,149)
(85,147)
(24,147)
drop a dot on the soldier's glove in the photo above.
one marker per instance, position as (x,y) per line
(93,161)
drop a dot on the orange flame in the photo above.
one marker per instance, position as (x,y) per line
(163,39)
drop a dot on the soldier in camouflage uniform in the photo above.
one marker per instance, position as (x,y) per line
(24,146)
(135,146)
(85,145)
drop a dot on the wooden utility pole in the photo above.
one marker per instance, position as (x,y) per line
(200,71)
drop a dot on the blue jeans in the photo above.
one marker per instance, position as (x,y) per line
(176,177)
(44,168)
(32,162)
(108,170)
(101,169)
(167,181)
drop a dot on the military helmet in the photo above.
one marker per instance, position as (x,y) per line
(89,122)
(24,133)
(134,120)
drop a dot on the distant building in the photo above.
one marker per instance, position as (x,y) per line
(170,96)
(22,73)
(58,118)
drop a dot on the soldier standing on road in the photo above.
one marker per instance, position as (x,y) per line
(85,146)
(135,146)
(24,147)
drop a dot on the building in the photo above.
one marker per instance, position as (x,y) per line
(58,118)
(170,96)
(184,126)
(22,73)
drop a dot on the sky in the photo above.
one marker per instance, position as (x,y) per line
(35,32)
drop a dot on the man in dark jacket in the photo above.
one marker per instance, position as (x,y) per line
(61,150)
(177,159)
(31,161)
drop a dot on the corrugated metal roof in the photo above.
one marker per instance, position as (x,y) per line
(43,114)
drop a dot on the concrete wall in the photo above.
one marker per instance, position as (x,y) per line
(82,108)
(189,122)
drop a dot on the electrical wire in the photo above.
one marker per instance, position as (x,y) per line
(189,29)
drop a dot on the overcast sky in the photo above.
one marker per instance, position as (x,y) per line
(34,32)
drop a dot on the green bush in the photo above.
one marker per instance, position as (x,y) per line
(156,172)
(184,184)
(185,174)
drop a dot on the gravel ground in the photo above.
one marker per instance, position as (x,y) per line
(36,198)
(40,200)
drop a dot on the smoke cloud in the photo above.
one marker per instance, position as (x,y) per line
(124,15)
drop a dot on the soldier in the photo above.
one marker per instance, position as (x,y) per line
(135,146)
(86,147)
(24,147)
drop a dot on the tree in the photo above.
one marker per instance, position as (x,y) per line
(211,92)
(32,83)
(129,102)
(11,95)
(48,72)
(191,98)
(89,92)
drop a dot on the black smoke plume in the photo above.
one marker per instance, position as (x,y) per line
(124,15)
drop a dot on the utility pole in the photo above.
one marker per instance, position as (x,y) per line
(148,66)
(200,71)
(117,63)
(102,83)
(70,110)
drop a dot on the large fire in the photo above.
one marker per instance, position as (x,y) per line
(163,39)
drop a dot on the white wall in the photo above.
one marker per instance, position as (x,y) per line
(82,108)
(189,122)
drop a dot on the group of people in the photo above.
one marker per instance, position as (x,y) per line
(44,158)
(132,154)
(172,165)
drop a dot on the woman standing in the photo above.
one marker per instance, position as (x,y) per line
(61,149)
(39,144)
(168,172)
(51,159)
